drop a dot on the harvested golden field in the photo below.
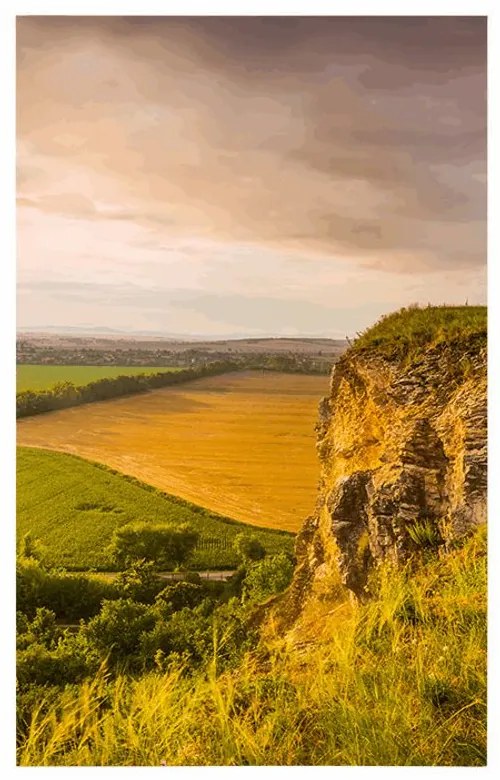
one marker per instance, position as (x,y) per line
(239,444)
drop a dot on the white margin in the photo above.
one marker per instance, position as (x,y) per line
(8,11)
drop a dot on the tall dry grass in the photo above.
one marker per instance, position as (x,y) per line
(401,681)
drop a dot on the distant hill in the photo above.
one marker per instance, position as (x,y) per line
(57,330)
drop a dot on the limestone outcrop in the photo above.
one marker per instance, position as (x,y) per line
(402,446)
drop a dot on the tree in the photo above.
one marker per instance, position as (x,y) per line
(268,577)
(180,595)
(41,630)
(167,546)
(186,636)
(64,394)
(116,631)
(249,548)
(140,581)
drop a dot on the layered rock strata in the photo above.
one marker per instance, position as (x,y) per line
(402,446)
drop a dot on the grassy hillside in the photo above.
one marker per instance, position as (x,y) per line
(398,681)
(405,332)
(32,377)
(73,507)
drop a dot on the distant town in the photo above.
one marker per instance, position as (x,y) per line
(41,348)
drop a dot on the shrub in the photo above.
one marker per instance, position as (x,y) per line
(186,634)
(31,582)
(268,577)
(233,587)
(30,547)
(69,596)
(231,636)
(37,665)
(139,582)
(41,630)
(249,548)
(182,594)
(117,629)
(167,546)
(199,635)
(75,597)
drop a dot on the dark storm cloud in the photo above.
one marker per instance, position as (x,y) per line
(358,136)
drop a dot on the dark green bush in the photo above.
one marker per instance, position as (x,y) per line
(166,546)
(248,548)
(69,596)
(116,631)
(268,577)
(231,635)
(41,630)
(186,633)
(179,595)
(37,665)
(139,582)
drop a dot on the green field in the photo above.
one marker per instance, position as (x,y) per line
(31,377)
(73,507)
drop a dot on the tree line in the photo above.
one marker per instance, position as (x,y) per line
(66,394)
(291,364)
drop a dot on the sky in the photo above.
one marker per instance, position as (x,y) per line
(248,176)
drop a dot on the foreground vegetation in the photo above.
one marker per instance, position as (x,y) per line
(404,333)
(74,506)
(45,377)
(400,680)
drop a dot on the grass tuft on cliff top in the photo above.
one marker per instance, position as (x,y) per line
(407,332)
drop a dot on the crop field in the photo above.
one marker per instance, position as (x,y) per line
(73,507)
(31,377)
(241,444)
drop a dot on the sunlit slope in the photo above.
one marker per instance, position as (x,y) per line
(73,507)
(239,444)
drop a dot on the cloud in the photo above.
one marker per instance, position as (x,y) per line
(238,119)
(359,140)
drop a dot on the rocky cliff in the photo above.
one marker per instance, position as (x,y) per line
(402,446)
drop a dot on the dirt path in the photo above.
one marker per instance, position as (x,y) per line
(173,576)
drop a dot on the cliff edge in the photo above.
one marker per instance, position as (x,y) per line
(402,445)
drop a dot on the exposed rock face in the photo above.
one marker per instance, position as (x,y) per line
(402,448)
